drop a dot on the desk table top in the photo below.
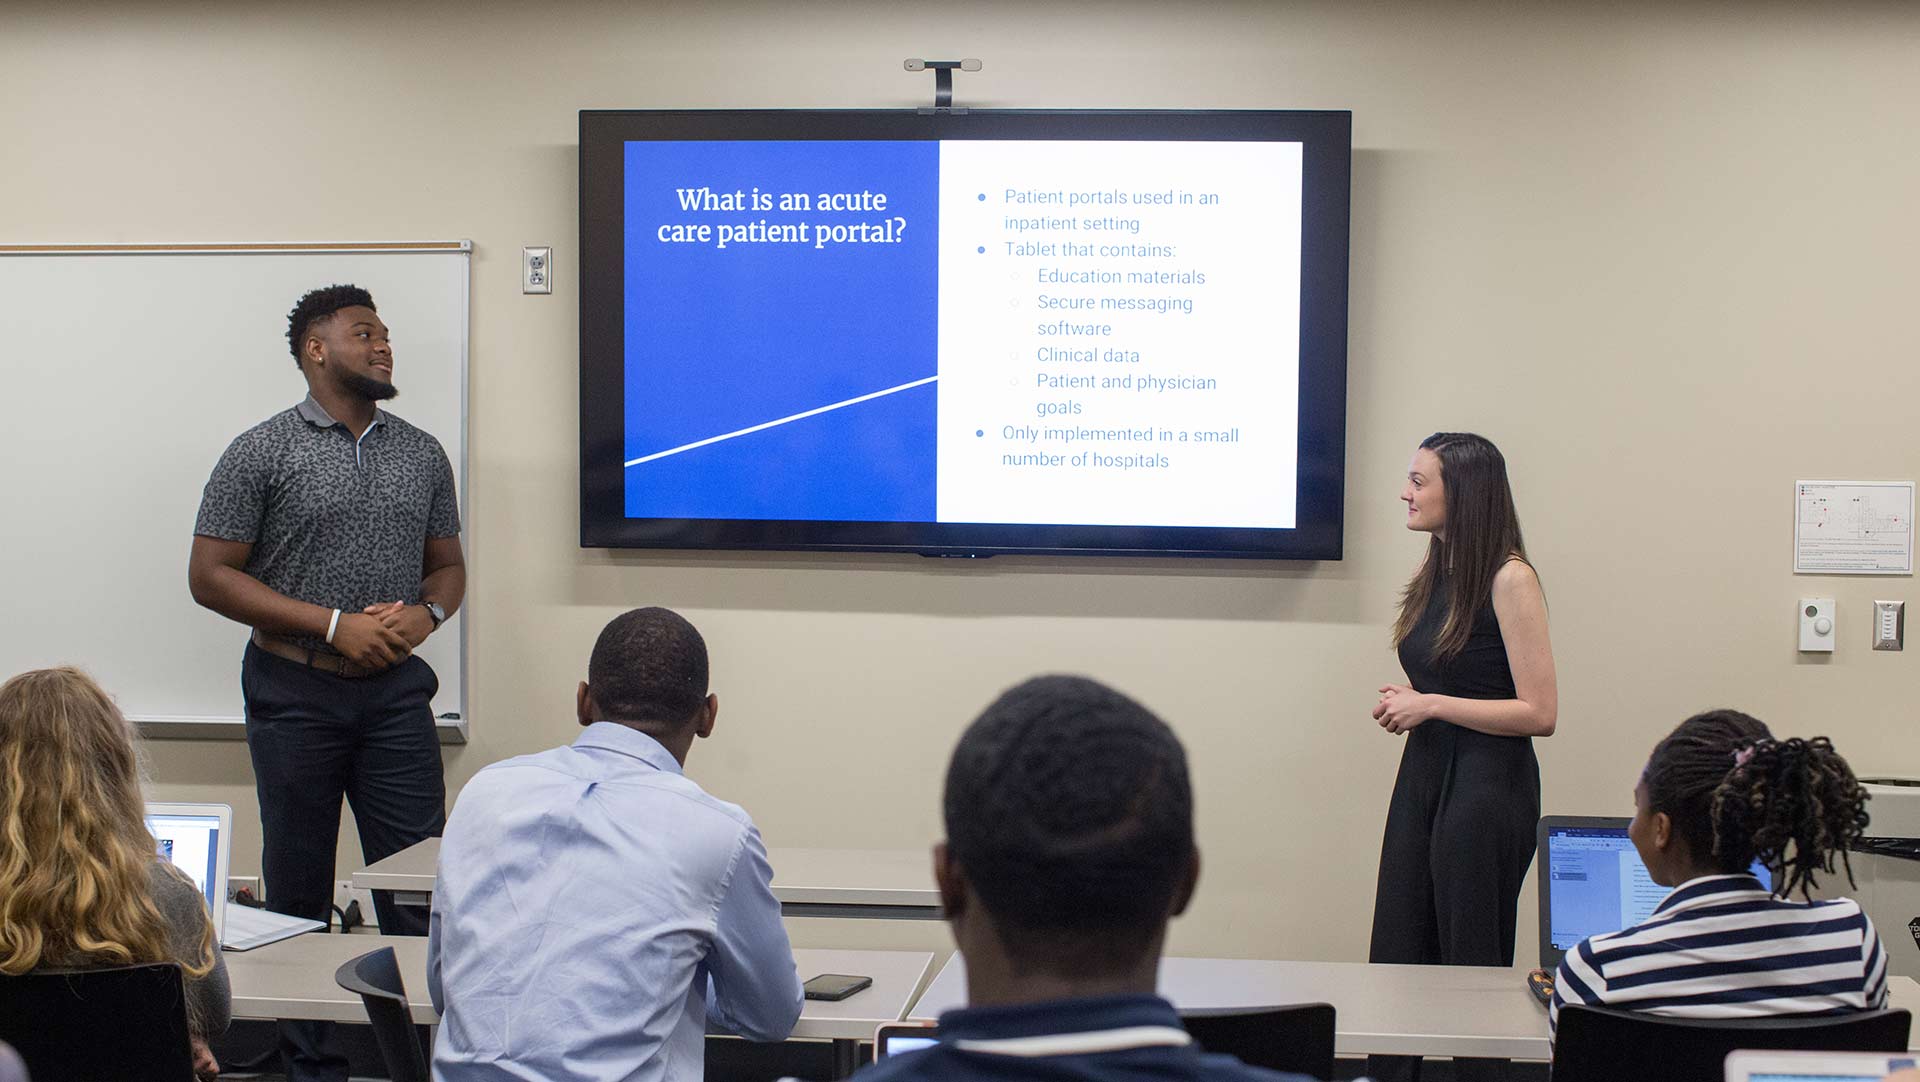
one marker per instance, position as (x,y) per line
(818,877)
(294,979)
(1379,1009)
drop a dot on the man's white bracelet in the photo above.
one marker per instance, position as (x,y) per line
(333,625)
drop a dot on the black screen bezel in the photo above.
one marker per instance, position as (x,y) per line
(1326,138)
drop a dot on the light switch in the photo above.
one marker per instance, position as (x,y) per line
(1889,625)
(1816,625)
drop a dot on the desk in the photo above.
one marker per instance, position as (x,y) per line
(294,979)
(894,884)
(886,883)
(1379,1009)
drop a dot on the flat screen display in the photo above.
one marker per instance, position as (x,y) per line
(965,333)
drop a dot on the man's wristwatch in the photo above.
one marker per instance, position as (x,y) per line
(435,613)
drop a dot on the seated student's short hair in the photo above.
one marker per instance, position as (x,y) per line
(1069,809)
(318,306)
(649,665)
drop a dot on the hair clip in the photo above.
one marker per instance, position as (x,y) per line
(1742,756)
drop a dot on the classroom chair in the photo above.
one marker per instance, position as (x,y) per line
(114,1024)
(1297,1038)
(1595,1044)
(375,978)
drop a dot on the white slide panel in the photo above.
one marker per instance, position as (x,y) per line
(1119,333)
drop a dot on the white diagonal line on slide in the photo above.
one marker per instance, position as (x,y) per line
(784,420)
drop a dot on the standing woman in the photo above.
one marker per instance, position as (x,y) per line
(1472,637)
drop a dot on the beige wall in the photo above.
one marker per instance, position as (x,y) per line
(1663,254)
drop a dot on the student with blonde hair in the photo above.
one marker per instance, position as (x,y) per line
(81,882)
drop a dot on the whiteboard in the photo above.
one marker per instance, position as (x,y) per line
(127,371)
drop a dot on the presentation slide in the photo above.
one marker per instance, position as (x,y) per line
(963,331)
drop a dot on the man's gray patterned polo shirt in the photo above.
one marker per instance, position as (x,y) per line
(339,523)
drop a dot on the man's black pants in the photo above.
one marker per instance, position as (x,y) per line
(314,738)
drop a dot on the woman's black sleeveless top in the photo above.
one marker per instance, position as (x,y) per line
(1478,671)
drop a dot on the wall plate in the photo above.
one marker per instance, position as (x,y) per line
(1889,625)
(536,270)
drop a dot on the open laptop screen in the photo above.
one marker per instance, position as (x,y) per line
(1592,882)
(1771,1066)
(191,838)
(899,1038)
(1775,1076)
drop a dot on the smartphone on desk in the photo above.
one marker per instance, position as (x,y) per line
(834,986)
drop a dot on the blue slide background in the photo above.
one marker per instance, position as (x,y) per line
(722,339)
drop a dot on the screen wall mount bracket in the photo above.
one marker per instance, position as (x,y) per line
(942,80)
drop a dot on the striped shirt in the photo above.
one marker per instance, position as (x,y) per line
(1722,946)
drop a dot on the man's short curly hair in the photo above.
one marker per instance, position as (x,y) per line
(318,306)
(1069,809)
(649,666)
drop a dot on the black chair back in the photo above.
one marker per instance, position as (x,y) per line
(116,1024)
(1297,1038)
(375,978)
(1594,1044)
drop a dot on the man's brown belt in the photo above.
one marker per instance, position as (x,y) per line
(325,662)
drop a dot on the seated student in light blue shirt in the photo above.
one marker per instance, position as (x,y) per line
(595,910)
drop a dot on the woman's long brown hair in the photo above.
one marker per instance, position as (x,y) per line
(75,854)
(1482,534)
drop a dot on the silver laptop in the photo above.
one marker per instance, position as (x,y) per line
(1592,882)
(198,840)
(1814,1066)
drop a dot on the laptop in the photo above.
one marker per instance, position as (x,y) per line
(899,1038)
(1814,1066)
(1592,882)
(198,840)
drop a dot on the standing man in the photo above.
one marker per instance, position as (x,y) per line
(332,530)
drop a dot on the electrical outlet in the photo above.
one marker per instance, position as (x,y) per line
(536,270)
(238,883)
(345,893)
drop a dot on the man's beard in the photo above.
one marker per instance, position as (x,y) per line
(367,387)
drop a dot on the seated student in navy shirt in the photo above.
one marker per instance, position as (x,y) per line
(1719,793)
(1069,846)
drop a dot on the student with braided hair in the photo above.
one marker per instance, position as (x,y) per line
(1718,794)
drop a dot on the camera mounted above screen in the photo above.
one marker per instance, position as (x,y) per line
(942,78)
